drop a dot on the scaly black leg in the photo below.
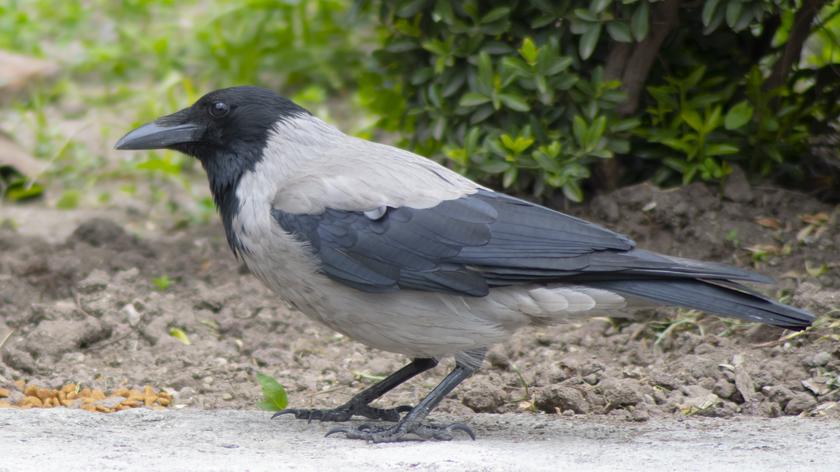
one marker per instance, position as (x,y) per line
(359,405)
(412,423)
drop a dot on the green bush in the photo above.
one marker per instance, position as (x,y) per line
(532,95)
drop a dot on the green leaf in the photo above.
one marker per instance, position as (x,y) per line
(696,75)
(585,15)
(814,270)
(514,102)
(523,143)
(589,40)
(515,65)
(402,45)
(68,200)
(274,395)
(529,51)
(481,113)
(640,21)
(443,12)
(422,75)
(738,115)
(601,153)
(506,140)
(180,335)
(509,177)
(715,21)
(733,12)
(485,73)
(546,162)
(712,120)
(494,167)
(410,8)
(720,149)
(620,146)
(692,118)
(20,189)
(579,128)
(454,84)
(572,191)
(597,6)
(708,11)
(495,14)
(518,145)
(471,140)
(472,99)
(625,125)
(747,15)
(162,283)
(558,65)
(595,131)
(677,144)
(619,31)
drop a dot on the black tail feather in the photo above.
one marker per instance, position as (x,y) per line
(727,299)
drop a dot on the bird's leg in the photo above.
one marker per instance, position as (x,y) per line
(359,405)
(412,423)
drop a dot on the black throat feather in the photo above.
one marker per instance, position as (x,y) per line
(224,173)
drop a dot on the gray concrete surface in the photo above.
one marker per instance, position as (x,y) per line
(195,440)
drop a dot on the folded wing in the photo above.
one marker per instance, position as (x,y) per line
(476,242)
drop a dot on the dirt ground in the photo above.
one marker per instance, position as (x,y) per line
(84,309)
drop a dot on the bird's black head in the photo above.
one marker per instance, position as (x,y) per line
(227,130)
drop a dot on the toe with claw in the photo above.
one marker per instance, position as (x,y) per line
(345,412)
(402,432)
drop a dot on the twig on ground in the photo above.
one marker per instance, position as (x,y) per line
(6,338)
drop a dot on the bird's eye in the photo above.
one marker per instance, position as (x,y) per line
(219,109)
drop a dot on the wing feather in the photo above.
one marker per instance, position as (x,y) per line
(469,244)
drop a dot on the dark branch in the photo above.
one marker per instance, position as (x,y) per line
(665,18)
(793,49)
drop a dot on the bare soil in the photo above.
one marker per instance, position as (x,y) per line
(84,309)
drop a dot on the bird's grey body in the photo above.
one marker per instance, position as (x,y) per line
(404,255)
(415,323)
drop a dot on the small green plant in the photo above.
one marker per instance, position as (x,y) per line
(180,335)
(69,199)
(368,377)
(687,119)
(274,394)
(15,187)
(685,320)
(732,237)
(162,283)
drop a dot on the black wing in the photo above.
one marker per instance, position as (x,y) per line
(483,240)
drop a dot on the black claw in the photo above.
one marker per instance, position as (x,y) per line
(461,427)
(284,412)
(336,430)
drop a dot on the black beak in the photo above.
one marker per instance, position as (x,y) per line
(159,135)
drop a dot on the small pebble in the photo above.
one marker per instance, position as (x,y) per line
(820,359)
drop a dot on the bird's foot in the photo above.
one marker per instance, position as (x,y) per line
(345,412)
(402,432)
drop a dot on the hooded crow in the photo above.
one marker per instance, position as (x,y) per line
(404,255)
